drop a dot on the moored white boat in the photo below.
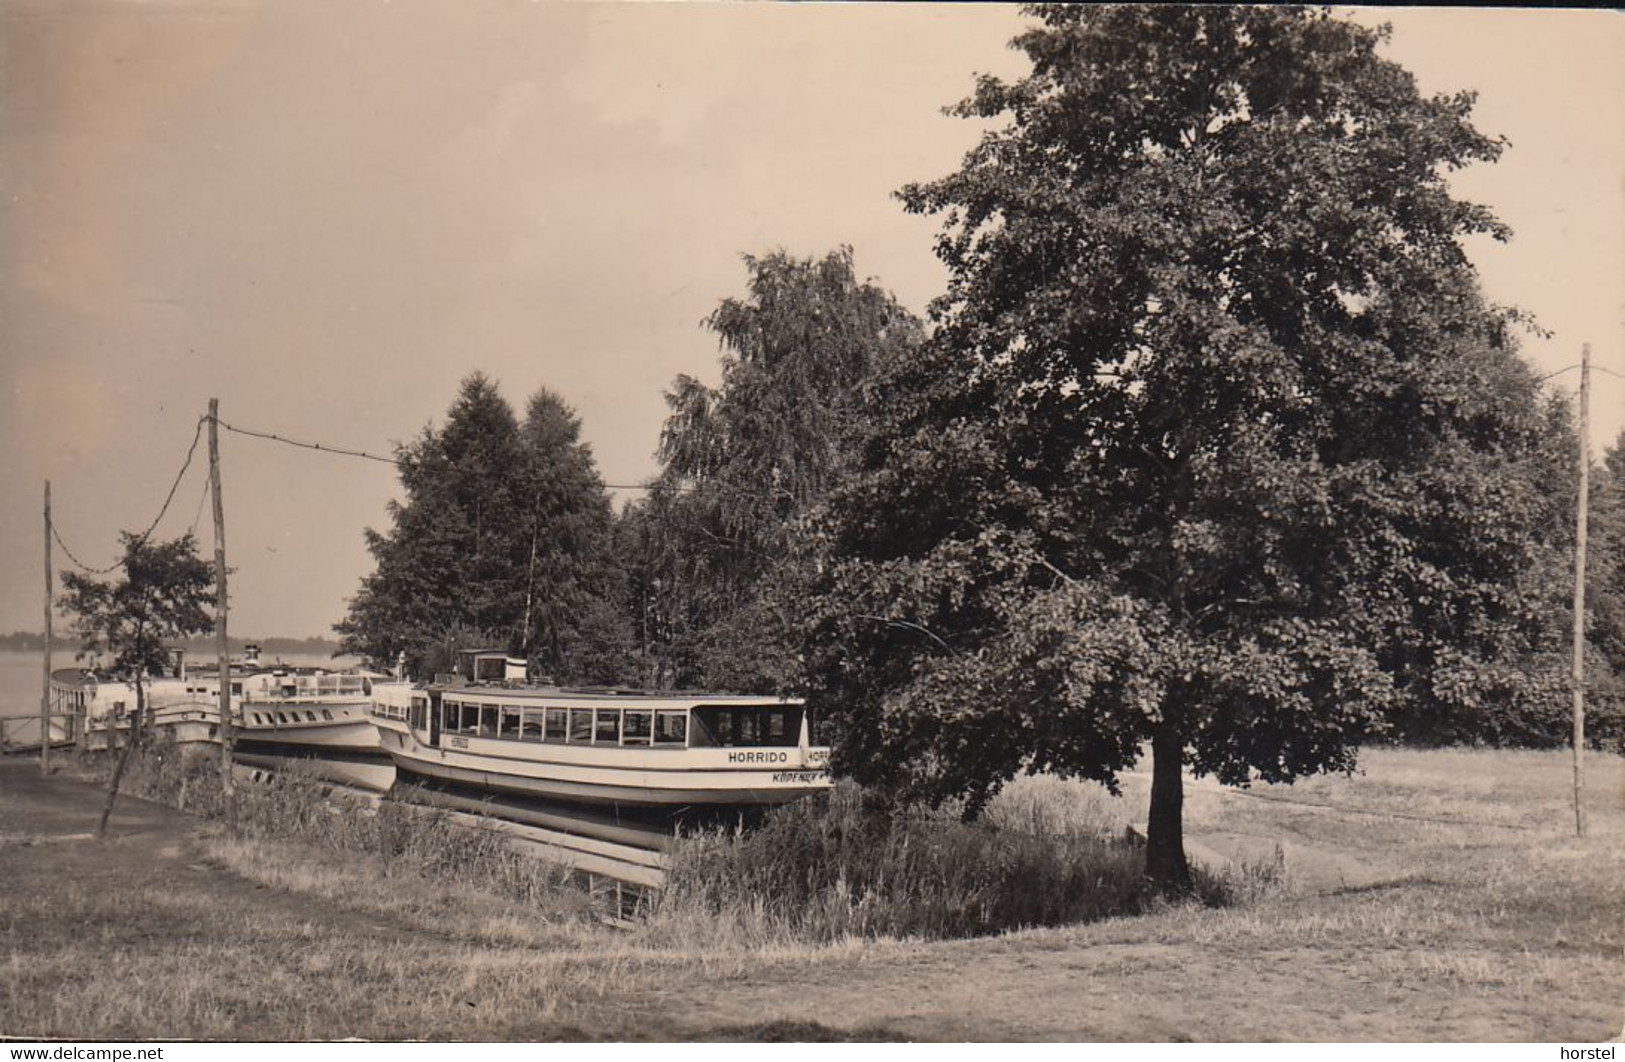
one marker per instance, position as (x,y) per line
(304,711)
(275,710)
(181,711)
(605,747)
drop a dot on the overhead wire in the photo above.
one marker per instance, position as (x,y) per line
(313,446)
(406,464)
(1571,368)
(197,518)
(342,451)
(140,539)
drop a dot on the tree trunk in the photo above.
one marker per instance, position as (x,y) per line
(1165,828)
(124,757)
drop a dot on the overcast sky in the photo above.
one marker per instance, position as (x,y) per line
(326,214)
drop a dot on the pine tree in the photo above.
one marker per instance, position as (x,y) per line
(504,541)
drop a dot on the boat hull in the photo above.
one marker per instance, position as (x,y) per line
(343,737)
(635,782)
(373,773)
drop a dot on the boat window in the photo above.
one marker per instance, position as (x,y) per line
(635,727)
(531,728)
(607,729)
(671,728)
(755,726)
(452,723)
(557,723)
(327,715)
(488,720)
(580,726)
(510,723)
(310,717)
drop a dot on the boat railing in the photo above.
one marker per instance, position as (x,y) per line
(300,688)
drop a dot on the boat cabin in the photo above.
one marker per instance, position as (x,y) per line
(746,723)
(490,665)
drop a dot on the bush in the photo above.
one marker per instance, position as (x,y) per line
(836,866)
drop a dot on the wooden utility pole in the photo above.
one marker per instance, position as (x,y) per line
(1580,595)
(220,642)
(45,688)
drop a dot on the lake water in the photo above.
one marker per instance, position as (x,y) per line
(22,673)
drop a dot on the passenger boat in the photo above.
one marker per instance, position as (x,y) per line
(182,711)
(293,711)
(627,749)
(316,722)
(276,711)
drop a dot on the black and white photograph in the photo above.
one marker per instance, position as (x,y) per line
(619,522)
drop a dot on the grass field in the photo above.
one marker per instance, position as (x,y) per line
(1436,896)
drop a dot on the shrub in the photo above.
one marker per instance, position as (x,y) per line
(836,866)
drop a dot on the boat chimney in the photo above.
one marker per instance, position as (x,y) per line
(251,654)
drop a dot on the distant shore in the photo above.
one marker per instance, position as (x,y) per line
(34,642)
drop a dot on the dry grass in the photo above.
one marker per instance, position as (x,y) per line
(1437,896)
(389,840)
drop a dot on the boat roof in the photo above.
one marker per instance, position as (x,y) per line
(568,696)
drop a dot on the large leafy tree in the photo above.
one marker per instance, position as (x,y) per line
(504,538)
(161,595)
(1216,447)
(714,549)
